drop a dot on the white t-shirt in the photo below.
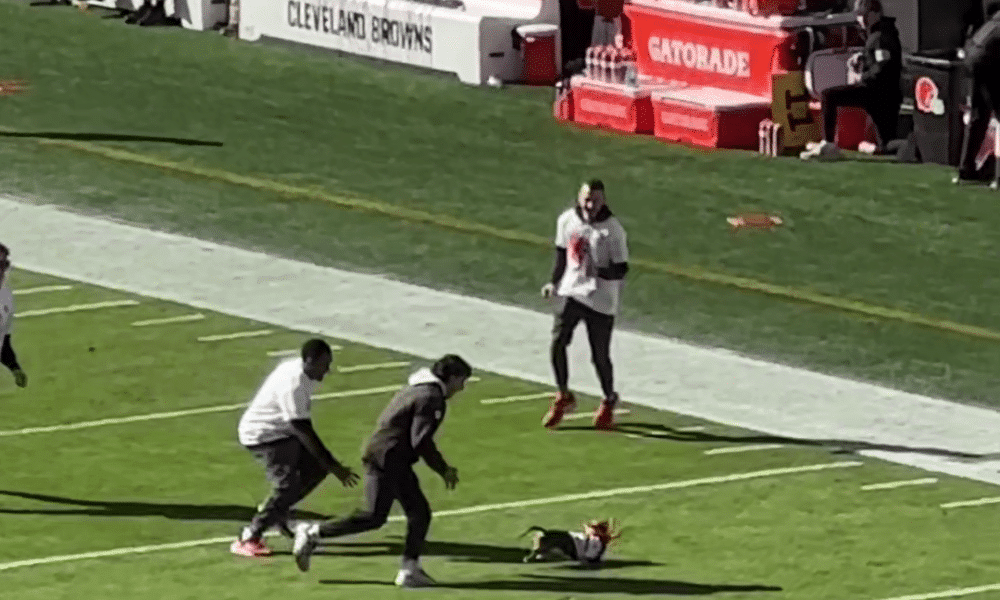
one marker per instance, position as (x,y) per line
(587,548)
(6,311)
(286,395)
(590,246)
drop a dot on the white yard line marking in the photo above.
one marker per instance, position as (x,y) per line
(235,336)
(891,485)
(373,367)
(747,448)
(670,485)
(75,308)
(42,289)
(169,320)
(979,502)
(274,353)
(192,411)
(619,411)
(506,399)
(955,593)
(295,351)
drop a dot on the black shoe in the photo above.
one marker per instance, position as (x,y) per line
(156,16)
(134,18)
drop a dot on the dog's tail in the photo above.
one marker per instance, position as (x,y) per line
(533,528)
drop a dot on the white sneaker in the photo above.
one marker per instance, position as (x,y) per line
(304,545)
(414,579)
(823,151)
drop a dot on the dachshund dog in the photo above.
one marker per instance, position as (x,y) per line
(587,546)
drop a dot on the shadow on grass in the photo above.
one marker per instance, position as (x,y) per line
(461,552)
(587,585)
(663,432)
(107,137)
(109,508)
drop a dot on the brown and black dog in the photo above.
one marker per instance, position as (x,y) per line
(587,546)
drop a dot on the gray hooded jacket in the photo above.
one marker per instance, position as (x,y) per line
(405,429)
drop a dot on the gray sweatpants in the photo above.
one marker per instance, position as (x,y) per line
(293,473)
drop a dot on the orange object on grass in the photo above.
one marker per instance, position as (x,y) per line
(754,221)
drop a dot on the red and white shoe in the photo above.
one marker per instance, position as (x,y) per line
(604,418)
(254,548)
(563,404)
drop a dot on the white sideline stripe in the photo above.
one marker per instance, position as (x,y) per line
(75,308)
(516,398)
(979,502)
(191,411)
(671,485)
(747,448)
(618,411)
(168,320)
(42,289)
(373,367)
(891,485)
(955,593)
(708,384)
(235,336)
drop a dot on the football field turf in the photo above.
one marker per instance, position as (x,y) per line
(157,487)
(121,475)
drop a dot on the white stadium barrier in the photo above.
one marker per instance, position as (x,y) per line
(474,39)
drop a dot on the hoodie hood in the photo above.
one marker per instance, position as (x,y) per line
(424,376)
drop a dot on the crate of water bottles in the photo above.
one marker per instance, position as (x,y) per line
(611,64)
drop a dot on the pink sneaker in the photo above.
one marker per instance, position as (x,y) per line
(250,548)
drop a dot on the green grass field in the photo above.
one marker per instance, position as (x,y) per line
(888,234)
(240,121)
(184,478)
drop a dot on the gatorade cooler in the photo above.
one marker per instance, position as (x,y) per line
(772,7)
(539,53)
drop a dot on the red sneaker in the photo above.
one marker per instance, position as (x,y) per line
(250,548)
(564,403)
(604,418)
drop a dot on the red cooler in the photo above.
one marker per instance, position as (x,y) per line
(539,55)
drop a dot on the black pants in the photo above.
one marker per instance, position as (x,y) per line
(293,473)
(599,328)
(984,101)
(383,486)
(881,105)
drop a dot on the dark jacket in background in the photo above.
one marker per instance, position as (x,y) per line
(882,58)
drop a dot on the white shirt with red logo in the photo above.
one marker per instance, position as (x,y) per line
(589,247)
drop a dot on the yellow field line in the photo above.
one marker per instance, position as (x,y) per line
(453,223)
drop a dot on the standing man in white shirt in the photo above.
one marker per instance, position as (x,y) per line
(588,278)
(277,429)
(7,356)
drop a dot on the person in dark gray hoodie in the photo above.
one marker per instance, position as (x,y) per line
(404,434)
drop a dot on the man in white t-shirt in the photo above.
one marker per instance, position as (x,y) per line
(7,356)
(277,429)
(588,278)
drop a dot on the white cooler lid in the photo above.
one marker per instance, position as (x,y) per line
(537,29)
